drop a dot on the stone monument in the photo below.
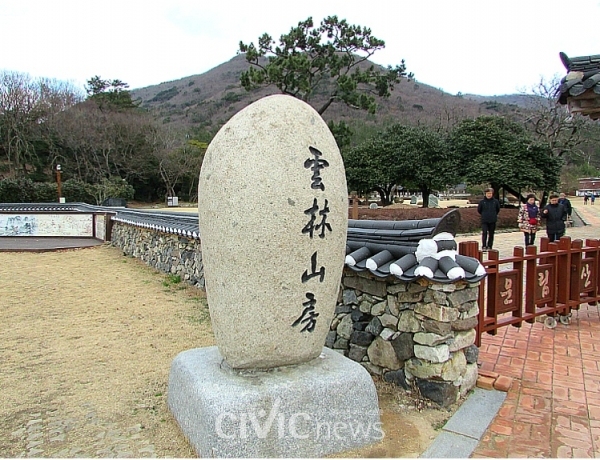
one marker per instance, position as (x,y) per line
(273,211)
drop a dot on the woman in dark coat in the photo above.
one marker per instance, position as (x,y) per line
(555,215)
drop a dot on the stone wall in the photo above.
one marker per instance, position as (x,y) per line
(418,333)
(166,252)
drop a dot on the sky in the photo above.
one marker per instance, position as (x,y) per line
(485,47)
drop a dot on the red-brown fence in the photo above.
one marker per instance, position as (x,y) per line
(552,282)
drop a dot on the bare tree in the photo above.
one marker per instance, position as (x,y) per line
(27,108)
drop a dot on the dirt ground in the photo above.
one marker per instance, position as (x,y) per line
(88,337)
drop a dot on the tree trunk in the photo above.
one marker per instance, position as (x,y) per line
(425,192)
(384,193)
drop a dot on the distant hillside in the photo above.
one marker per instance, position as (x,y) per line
(526,101)
(210,99)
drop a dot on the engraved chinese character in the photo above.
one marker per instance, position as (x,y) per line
(316,164)
(308,316)
(313,267)
(323,225)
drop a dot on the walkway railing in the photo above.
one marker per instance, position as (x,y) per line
(552,282)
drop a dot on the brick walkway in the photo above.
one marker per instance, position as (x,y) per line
(553,406)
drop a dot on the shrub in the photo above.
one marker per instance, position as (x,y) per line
(45,192)
(17,191)
(77,191)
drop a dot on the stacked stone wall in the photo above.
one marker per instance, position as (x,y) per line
(417,334)
(413,334)
(166,252)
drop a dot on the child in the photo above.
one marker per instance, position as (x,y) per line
(488,208)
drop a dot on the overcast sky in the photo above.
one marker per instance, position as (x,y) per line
(485,47)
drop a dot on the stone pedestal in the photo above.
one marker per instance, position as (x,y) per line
(312,409)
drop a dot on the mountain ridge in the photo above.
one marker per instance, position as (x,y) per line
(209,99)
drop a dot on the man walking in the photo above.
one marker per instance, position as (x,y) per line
(488,209)
(555,215)
(567,205)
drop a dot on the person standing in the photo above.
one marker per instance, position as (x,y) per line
(593,198)
(562,199)
(585,198)
(488,209)
(529,219)
(555,215)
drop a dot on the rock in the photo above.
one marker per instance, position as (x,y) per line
(411,297)
(335,322)
(388,320)
(455,367)
(471,354)
(430,339)
(342,308)
(438,354)
(464,324)
(443,393)
(436,327)
(396,288)
(462,339)
(381,353)
(471,311)
(387,334)
(397,377)
(330,339)
(372,368)
(458,298)
(345,327)
(408,322)
(392,305)
(366,285)
(341,343)
(403,346)
(365,306)
(349,297)
(378,309)
(437,312)
(423,369)
(361,338)
(271,178)
(361,325)
(357,353)
(374,326)
(358,315)
(468,380)
(438,297)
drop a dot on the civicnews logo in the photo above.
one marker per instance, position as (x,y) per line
(298,425)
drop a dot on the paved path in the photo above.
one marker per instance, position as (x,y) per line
(33,244)
(553,406)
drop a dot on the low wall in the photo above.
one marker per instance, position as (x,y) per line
(54,224)
(417,334)
(166,252)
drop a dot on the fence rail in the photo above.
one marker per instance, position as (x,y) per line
(553,282)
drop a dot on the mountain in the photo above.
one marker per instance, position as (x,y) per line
(208,100)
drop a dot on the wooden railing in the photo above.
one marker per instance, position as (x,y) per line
(552,282)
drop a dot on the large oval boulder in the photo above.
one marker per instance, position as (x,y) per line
(273,211)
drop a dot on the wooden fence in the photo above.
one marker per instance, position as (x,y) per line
(553,282)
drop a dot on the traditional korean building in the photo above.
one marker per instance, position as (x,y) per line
(580,88)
